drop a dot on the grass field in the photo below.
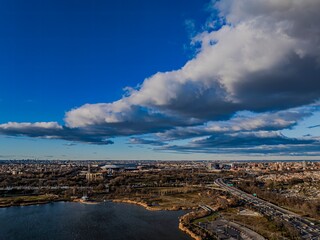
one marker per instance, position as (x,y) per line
(27,200)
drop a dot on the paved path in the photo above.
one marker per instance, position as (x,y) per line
(229,230)
(247,233)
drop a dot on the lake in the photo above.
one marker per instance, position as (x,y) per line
(68,221)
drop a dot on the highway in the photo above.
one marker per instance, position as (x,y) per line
(306,228)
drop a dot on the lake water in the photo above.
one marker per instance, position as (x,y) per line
(68,221)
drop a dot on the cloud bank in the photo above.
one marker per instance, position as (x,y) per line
(52,130)
(263,60)
(266,57)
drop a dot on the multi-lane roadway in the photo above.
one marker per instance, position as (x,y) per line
(306,228)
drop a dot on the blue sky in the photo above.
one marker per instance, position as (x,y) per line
(198,73)
(61,54)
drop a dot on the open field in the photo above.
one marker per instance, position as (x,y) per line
(28,200)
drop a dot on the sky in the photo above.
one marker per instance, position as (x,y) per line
(168,80)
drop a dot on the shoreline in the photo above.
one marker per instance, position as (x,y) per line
(48,201)
(142,204)
(152,208)
(181,226)
(25,204)
(187,231)
(77,200)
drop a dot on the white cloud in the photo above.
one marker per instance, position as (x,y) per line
(40,125)
(257,62)
(242,122)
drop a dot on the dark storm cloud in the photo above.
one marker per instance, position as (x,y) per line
(294,83)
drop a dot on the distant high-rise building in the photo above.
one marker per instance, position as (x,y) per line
(304,164)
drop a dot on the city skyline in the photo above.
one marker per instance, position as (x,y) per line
(228,79)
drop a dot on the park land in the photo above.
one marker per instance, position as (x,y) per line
(240,200)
